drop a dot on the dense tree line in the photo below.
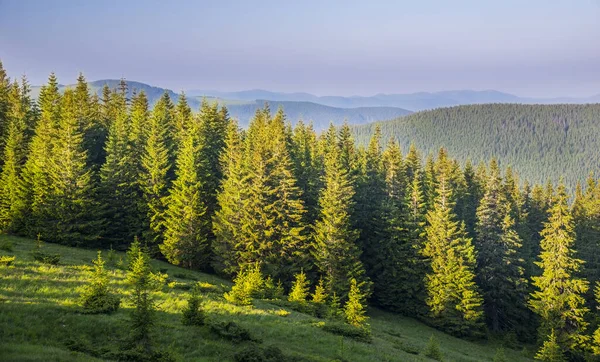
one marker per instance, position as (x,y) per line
(470,250)
(541,142)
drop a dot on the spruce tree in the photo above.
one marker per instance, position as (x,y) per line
(74,218)
(37,182)
(336,254)
(370,199)
(354,309)
(227,221)
(12,192)
(499,267)
(119,187)
(453,297)
(300,288)
(558,298)
(186,228)
(153,176)
(5,87)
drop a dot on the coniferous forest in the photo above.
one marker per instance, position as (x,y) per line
(471,249)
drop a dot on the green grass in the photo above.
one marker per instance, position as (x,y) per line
(40,319)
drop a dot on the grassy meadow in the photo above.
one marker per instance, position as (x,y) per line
(40,318)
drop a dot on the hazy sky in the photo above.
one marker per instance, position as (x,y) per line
(530,48)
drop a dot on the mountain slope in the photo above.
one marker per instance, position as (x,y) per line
(412,101)
(540,141)
(41,320)
(319,114)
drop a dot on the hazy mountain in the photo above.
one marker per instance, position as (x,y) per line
(412,101)
(320,115)
(540,141)
(243,106)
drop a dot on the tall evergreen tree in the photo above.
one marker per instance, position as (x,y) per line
(558,298)
(186,228)
(499,266)
(12,192)
(453,297)
(35,174)
(74,218)
(336,254)
(5,87)
(153,177)
(227,221)
(120,191)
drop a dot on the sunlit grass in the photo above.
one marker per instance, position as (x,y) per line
(39,313)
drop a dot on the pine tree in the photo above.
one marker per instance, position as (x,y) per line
(97,297)
(336,254)
(558,298)
(153,177)
(119,188)
(499,267)
(369,204)
(74,217)
(300,288)
(453,297)
(12,192)
(91,120)
(270,226)
(227,222)
(307,168)
(5,89)
(551,350)
(354,309)
(320,295)
(142,318)
(138,126)
(186,228)
(37,182)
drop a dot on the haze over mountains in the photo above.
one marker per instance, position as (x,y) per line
(322,110)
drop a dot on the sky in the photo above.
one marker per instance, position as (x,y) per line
(535,48)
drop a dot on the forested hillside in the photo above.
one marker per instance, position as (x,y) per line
(308,221)
(541,142)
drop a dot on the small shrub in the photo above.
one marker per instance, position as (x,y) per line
(500,356)
(205,287)
(96,297)
(432,350)
(233,332)
(248,284)
(193,315)
(254,353)
(7,245)
(7,260)
(282,313)
(358,334)
(52,259)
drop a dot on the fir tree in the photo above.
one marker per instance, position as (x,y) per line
(300,288)
(186,228)
(558,298)
(74,216)
(96,297)
(354,309)
(36,178)
(551,350)
(153,177)
(336,254)
(499,267)
(453,297)
(119,188)
(12,192)
(5,87)
(227,221)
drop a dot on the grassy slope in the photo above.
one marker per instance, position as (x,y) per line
(39,312)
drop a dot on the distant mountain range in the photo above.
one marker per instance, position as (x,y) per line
(322,110)
(244,109)
(412,101)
